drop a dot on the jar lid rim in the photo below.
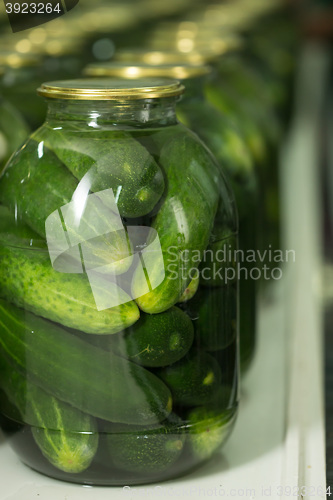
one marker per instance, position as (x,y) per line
(111,89)
(202,52)
(181,71)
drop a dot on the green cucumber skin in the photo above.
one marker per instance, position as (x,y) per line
(67,437)
(232,108)
(184,221)
(28,176)
(33,169)
(96,382)
(191,290)
(213,268)
(154,340)
(150,449)
(158,340)
(15,232)
(193,380)
(215,310)
(114,160)
(208,429)
(28,280)
(221,136)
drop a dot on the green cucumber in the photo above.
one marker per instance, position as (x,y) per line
(149,449)
(191,290)
(28,280)
(225,398)
(113,160)
(237,112)
(183,224)
(100,229)
(155,340)
(67,437)
(9,413)
(215,310)
(14,232)
(23,178)
(193,380)
(218,266)
(208,428)
(94,381)
(220,135)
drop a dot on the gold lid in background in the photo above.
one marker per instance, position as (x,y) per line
(111,89)
(200,52)
(208,44)
(127,70)
(152,57)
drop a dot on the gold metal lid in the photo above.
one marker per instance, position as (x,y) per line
(202,52)
(111,89)
(210,46)
(179,71)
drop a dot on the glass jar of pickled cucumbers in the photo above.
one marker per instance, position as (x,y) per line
(112,215)
(13,129)
(235,161)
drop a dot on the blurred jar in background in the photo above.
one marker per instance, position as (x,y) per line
(13,128)
(18,84)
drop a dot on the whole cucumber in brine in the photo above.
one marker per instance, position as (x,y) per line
(14,232)
(183,223)
(67,437)
(28,279)
(219,265)
(208,428)
(112,160)
(191,290)
(41,191)
(96,382)
(154,340)
(193,380)
(146,449)
(214,314)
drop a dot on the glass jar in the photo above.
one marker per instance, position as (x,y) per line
(108,214)
(235,91)
(244,90)
(235,161)
(13,129)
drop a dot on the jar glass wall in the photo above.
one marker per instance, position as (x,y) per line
(107,216)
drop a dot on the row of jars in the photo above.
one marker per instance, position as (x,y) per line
(125,219)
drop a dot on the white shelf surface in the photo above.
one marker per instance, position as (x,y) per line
(278,442)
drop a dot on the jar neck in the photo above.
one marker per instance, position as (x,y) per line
(113,113)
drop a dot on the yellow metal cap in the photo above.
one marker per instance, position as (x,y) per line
(111,89)
(125,70)
(156,57)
